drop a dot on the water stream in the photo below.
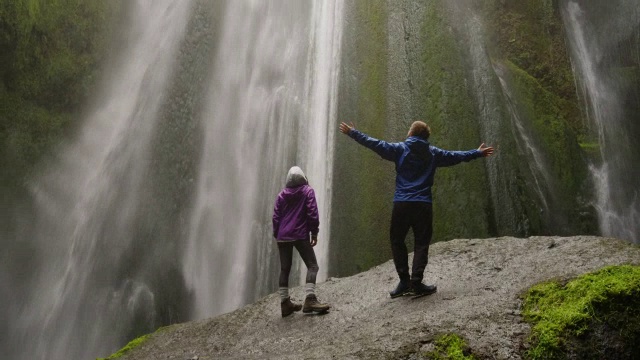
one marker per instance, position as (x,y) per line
(493,120)
(104,269)
(604,48)
(271,105)
(83,301)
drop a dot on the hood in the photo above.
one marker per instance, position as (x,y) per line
(296,177)
(419,147)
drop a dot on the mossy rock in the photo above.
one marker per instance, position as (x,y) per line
(130,346)
(596,316)
(450,347)
(135,343)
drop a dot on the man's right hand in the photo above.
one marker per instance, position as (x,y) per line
(345,129)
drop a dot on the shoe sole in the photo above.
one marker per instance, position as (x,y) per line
(415,296)
(320,311)
(406,293)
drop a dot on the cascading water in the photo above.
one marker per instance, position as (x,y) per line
(85,299)
(540,177)
(605,42)
(271,105)
(105,266)
(492,118)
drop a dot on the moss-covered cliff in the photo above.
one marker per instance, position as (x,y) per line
(50,55)
(402,63)
(495,71)
(527,39)
(362,182)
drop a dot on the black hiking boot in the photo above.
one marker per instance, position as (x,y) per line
(402,289)
(312,304)
(288,308)
(420,289)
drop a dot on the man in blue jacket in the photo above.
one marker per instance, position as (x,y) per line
(416,162)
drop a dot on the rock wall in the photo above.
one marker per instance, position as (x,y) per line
(495,72)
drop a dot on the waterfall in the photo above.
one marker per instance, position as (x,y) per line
(108,264)
(85,299)
(270,105)
(492,118)
(604,45)
(540,177)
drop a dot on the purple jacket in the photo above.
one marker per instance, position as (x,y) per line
(295,214)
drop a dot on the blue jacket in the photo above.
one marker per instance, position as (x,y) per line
(416,162)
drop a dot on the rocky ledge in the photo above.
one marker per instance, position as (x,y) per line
(480,284)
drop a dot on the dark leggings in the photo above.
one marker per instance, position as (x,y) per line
(285,248)
(419,217)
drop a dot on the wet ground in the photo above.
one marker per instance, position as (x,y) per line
(479,282)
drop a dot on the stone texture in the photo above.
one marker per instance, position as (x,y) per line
(479,284)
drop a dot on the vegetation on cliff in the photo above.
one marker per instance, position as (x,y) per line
(595,316)
(127,348)
(443,74)
(50,54)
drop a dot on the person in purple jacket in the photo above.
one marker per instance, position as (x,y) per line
(295,216)
(416,162)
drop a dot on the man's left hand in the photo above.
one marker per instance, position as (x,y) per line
(485,150)
(314,240)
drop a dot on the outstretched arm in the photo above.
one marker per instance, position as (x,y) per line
(388,151)
(450,158)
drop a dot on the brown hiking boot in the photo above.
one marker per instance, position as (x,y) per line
(288,308)
(311,304)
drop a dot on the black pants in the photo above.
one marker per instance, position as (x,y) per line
(285,248)
(419,217)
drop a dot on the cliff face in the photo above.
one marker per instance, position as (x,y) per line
(480,284)
(497,72)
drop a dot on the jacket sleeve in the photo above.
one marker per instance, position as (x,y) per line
(450,158)
(313,219)
(388,151)
(277,216)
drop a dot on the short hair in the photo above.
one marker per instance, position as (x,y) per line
(420,129)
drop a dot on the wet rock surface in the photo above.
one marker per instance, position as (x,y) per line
(479,283)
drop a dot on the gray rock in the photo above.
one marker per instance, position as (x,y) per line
(479,284)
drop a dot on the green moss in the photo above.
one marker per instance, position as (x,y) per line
(130,346)
(592,149)
(137,342)
(559,313)
(450,347)
(50,49)
(530,34)
(50,52)
(544,111)
(543,116)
